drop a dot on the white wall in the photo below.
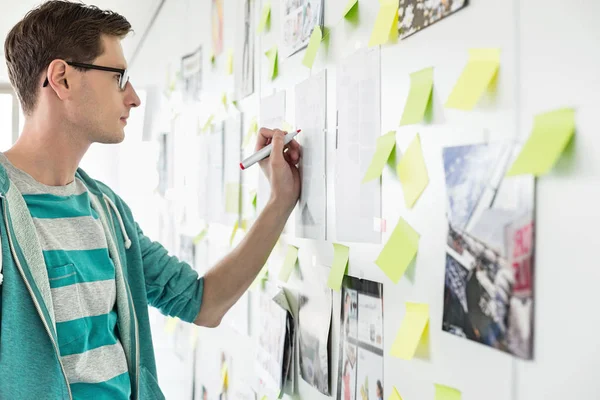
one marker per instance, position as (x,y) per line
(550,59)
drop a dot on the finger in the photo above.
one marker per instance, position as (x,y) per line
(264,137)
(277,151)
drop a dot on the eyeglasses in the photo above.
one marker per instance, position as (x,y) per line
(123,72)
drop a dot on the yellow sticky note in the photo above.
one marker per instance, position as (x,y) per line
(551,133)
(350,8)
(272,56)
(253,196)
(200,236)
(208,123)
(386,24)
(338,268)
(232,198)
(265,18)
(395,395)
(230,62)
(412,172)
(412,331)
(286,126)
(288,263)
(224,100)
(481,69)
(212,57)
(399,251)
(252,130)
(170,325)
(313,47)
(446,393)
(421,85)
(385,145)
(224,377)
(236,226)
(262,276)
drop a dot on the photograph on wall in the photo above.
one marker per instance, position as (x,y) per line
(217,11)
(488,287)
(191,74)
(415,15)
(314,323)
(299,17)
(361,341)
(244,65)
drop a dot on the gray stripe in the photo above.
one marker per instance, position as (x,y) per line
(79,233)
(97,365)
(83,300)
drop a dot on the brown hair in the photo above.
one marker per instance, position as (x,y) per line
(57,29)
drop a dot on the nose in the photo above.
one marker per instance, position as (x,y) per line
(131,97)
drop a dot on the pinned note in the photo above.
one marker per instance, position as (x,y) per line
(421,87)
(265,18)
(286,126)
(288,263)
(199,237)
(232,198)
(399,251)
(262,276)
(212,57)
(224,100)
(446,393)
(412,172)
(208,123)
(272,56)
(351,9)
(235,104)
(477,76)
(386,24)
(235,229)
(252,130)
(385,146)
(338,268)
(224,377)
(229,62)
(313,47)
(551,133)
(413,331)
(253,195)
(395,395)
(170,325)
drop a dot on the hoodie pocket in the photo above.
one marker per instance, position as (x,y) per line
(149,389)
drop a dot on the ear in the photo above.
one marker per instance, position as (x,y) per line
(58,78)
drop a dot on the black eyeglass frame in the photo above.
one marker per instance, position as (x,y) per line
(123,80)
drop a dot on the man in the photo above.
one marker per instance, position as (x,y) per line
(78,272)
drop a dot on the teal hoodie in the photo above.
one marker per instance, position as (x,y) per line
(30,366)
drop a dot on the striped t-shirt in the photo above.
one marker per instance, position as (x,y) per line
(82,282)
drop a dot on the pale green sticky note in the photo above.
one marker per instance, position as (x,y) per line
(551,133)
(264,18)
(481,69)
(350,9)
(399,251)
(385,145)
(446,393)
(252,130)
(338,268)
(232,197)
(386,24)
(262,276)
(288,263)
(313,47)
(412,331)
(171,324)
(208,123)
(230,62)
(253,195)
(224,100)
(421,85)
(286,126)
(412,172)
(272,56)
(395,395)
(212,57)
(235,104)
(235,229)
(199,237)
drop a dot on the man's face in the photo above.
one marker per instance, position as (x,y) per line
(101,108)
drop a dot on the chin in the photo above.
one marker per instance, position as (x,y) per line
(112,137)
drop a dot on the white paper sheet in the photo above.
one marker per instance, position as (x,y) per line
(359,126)
(232,159)
(216,174)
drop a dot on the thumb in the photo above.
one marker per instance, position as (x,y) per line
(277,150)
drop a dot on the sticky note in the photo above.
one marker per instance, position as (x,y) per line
(338,268)
(212,57)
(386,24)
(446,393)
(236,227)
(230,62)
(551,133)
(313,47)
(170,325)
(208,123)
(232,198)
(253,196)
(262,275)
(385,145)
(412,331)
(200,236)
(272,56)
(265,18)
(252,130)
(412,172)
(288,263)
(395,395)
(224,100)
(235,104)
(350,9)
(400,249)
(286,126)
(421,85)
(481,69)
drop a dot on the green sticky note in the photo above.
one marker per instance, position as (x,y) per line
(551,133)
(412,331)
(385,145)
(350,9)
(481,69)
(288,263)
(412,172)
(395,395)
(236,226)
(208,123)
(446,393)
(212,57)
(254,200)
(224,100)
(272,56)
(235,104)
(252,130)
(200,236)
(313,47)
(399,251)
(262,276)
(265,18)
(338,268)
(421,85)
(386,24)
(229,62)
(232,198)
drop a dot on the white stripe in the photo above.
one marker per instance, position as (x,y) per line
(83,300)
(78,233)
(97,365)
